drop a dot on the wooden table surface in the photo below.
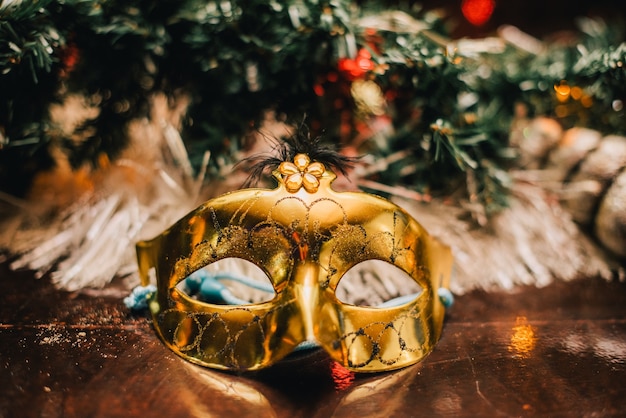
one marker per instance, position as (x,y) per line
(558,351)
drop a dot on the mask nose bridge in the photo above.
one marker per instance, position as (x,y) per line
(306,288)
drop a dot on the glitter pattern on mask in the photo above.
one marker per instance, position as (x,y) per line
(305,243)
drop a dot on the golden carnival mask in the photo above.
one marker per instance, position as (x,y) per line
(304,236)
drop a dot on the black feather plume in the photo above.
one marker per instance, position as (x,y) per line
(285,149)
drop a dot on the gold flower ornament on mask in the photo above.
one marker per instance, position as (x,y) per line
(301,173)
(305,237)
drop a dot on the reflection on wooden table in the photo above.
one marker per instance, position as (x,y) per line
(554,351)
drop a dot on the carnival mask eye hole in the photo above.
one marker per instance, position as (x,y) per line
(376,284)
(230,281)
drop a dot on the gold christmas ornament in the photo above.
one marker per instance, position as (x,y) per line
(586,186)
(534,139)
(574,146)
(610,223)
(305,237)
(585,170)
(368,97)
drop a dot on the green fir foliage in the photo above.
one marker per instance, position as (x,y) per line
(450,103)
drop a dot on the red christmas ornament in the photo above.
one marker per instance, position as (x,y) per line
(70,56)
(357,67)
(478,12)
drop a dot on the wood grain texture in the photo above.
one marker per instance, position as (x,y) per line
(558,351)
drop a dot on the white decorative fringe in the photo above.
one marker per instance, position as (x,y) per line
(93,241)
(86,245)
(532,242)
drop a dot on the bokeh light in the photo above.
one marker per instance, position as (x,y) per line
(478,12)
